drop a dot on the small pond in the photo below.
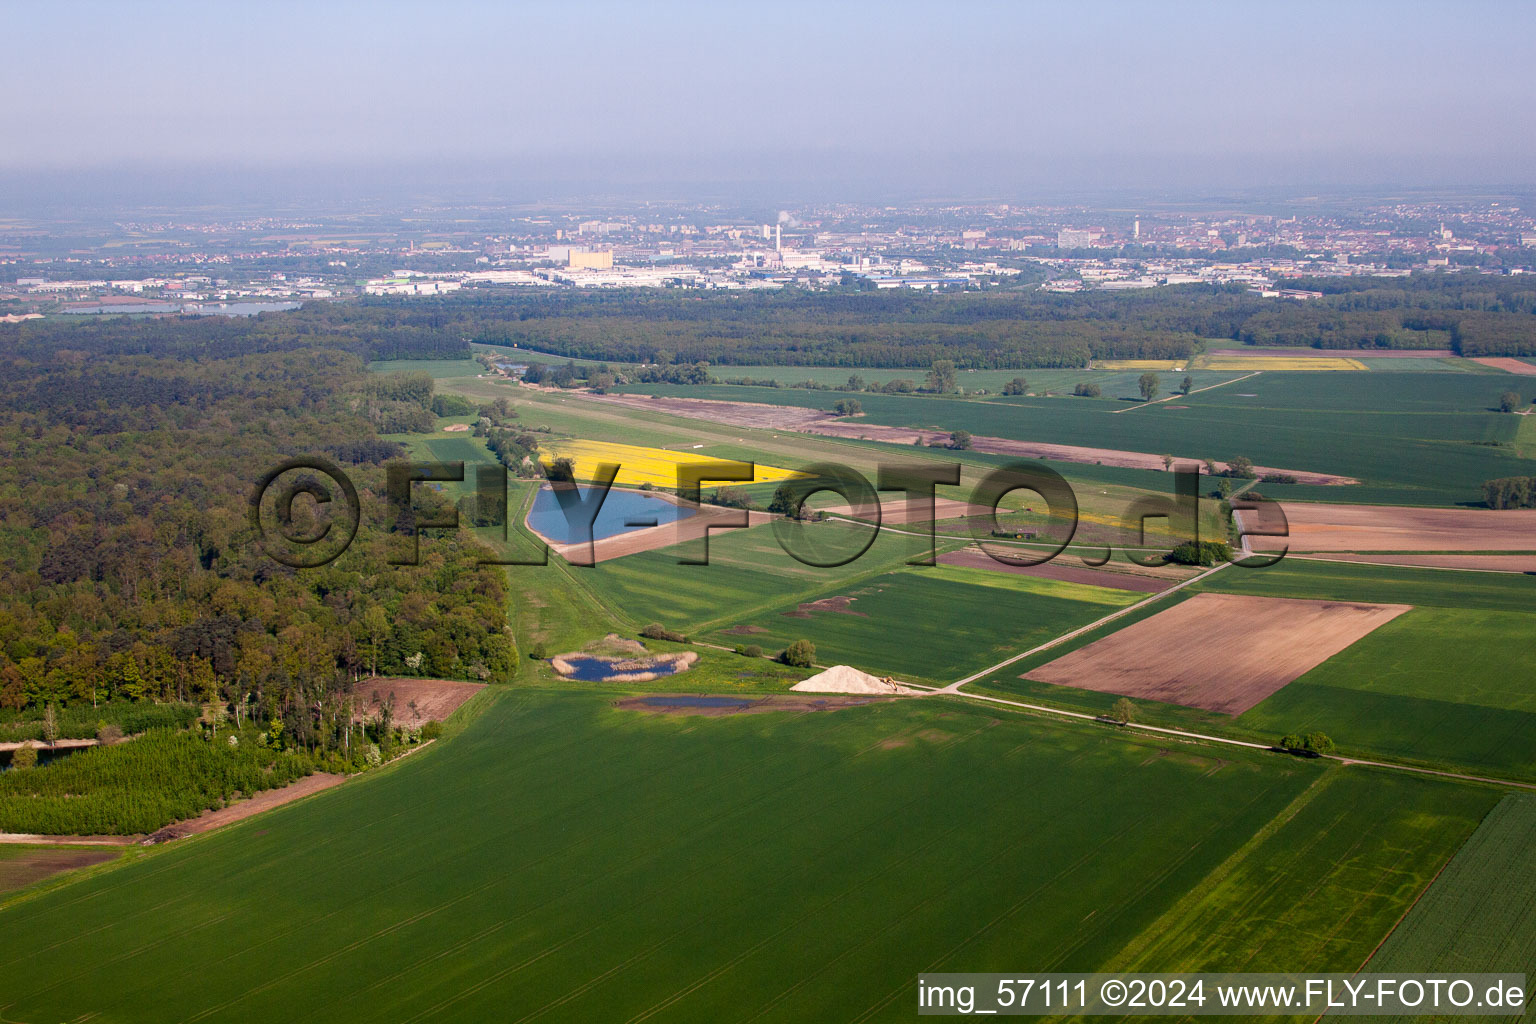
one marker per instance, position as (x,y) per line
(621,512)
(593,669)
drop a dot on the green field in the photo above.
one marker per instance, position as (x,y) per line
(1444,685)
(1350,844)
(747,570)
(933,624)
(1480,915)
(1413,438)
(564,860)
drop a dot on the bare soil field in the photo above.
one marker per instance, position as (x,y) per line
(1070,570)
(1385,528)
(435,699)
(33,839)
(24,867)
(1337,353)
(1485,563)
(714,706)
(840,605)
(1221,652)
(814,421)
(1507,364)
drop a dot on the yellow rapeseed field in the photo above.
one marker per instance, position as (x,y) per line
(1138,364)
(1281,363)
(638,465)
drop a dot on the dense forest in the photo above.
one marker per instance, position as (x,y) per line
(1473,314)
(128,568)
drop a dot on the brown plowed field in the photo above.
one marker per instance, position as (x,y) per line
(435,699)
(1378,528)
(27,866)
(1508,365)
(1220,652)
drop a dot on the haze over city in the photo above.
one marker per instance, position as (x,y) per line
(844,100)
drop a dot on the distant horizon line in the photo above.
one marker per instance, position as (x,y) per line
(128,185)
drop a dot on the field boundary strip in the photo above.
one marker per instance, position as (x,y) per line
(1186,394)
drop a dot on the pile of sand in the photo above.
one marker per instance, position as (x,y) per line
(846,679)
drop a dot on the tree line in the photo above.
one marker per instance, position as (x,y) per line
(129,570)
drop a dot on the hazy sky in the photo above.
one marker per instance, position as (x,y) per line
(1053,92)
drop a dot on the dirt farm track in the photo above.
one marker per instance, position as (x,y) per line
(1220,652)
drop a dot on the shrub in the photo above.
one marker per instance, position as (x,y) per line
(1318,743)
(1017,386)
(800,654)
(1509,401)
(536,651)
(960,441)
(24,757)
(109,734)
(731,497)
(1313,744)
(1510,492)
(656,631)
(1276,478)
(847,407)
(1086,390)
(1240,467)
(749,650)
(784,503)
(1203,552)
(431,730)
